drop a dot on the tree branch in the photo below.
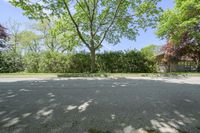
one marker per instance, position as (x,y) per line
(88,8)
(75,24)
(101,23)
(95,2)
(112,22)
(88,15)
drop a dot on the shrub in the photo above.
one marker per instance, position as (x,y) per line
(53,62)
(10,62)
(79,63)
(31,62)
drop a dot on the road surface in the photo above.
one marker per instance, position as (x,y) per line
(100,105)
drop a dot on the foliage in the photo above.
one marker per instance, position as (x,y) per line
(79,63)
(54,62)
(3,33)
(180,20)
(10,58)
(92,22)
(3,36)
(170,53)
(51,39)
(31,62)
(9,64)
(150,51)
(181,26)
(13,29)
(30,42)
(39,50)
(110,61)
(114,62)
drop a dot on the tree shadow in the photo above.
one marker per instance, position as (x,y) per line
(99,106)
(97,131)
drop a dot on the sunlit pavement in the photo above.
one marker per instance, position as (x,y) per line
(99,105)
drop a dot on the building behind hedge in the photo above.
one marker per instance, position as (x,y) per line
(168,63)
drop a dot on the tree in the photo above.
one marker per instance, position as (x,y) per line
(53,41)
(94,22)
(29,41)
(3,36)
(49,40)
(13,28)
(150,51)
(181,26)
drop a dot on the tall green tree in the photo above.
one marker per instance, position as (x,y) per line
(181,26)
(94,22)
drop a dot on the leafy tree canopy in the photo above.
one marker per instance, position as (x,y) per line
(92,22)
(29,41)
(181,26)
(184,18)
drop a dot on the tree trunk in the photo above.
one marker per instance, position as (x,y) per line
(93,57)
(169,67)
(198,66)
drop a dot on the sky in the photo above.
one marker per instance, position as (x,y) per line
(7,11)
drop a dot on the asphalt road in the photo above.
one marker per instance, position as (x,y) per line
(99,106)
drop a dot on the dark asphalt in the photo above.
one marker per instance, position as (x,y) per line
(96,106)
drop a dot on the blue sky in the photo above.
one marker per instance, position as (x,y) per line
(145,38)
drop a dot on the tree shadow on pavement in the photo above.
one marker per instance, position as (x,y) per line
(99,106)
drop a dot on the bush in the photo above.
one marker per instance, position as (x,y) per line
(31,62)
(79,63)
(53,62)
(10,62)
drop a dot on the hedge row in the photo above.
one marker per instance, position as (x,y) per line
(52,62)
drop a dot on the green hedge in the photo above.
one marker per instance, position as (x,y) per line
(54,62)
(124,62)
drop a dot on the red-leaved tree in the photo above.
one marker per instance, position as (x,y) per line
(3,35)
